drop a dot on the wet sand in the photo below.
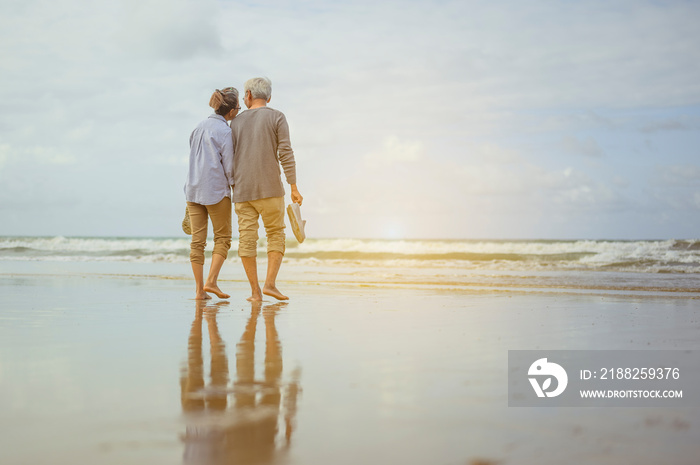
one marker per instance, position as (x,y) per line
(112,368)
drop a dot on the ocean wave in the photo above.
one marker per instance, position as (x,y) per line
(686,245)
(662,256)
(461,256)
(96,245)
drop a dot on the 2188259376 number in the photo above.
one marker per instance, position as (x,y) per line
(639,373)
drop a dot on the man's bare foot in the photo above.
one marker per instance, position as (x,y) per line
(213,288)
(202,296)
(274,292)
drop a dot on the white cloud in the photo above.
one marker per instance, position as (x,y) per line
(170,29)
(680,176)
(394,151)
(671,124)
(429,193)
(38,156)
(82,131)
(586,147)
(4,154)
(459,106)
(677,187)
(51,156)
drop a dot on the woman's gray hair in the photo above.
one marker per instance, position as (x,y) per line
(224,100)
(259,87)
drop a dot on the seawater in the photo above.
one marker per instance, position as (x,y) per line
(647,256)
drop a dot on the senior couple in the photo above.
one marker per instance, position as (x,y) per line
(240,163)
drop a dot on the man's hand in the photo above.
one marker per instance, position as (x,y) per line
(296,196)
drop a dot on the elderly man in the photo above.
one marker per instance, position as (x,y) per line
(260,144)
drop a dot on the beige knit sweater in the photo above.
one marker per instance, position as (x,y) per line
(260,145)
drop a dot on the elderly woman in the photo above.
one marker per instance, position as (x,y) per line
(208,189)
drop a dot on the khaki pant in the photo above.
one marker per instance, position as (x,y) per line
(220,215)
(271,210)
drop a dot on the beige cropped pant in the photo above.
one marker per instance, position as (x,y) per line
(220,215)
(271,210)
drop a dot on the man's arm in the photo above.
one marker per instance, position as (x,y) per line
(285,154)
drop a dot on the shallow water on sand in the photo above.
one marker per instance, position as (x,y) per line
(124,369)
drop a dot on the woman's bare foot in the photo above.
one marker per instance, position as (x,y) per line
(274,292)
(202,296)
(255,297)
(214,289)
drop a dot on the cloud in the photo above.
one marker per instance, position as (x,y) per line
(430,196)
(4,154)
(170,29)
(586,147)
(528,187)
(679,176)
(673,124)
(394,151)
(50,156)
(39,156)
(676,187)
(457,106)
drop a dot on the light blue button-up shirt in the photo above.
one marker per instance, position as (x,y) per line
(211,162)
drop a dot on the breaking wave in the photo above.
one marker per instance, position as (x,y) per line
(661,256)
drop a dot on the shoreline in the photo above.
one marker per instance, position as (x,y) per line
(428,278)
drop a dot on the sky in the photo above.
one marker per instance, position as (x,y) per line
(409,119)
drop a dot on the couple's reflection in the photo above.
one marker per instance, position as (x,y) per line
(246,430)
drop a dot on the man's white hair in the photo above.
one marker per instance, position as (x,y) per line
(259,87)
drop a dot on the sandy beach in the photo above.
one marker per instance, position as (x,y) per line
(115,363)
